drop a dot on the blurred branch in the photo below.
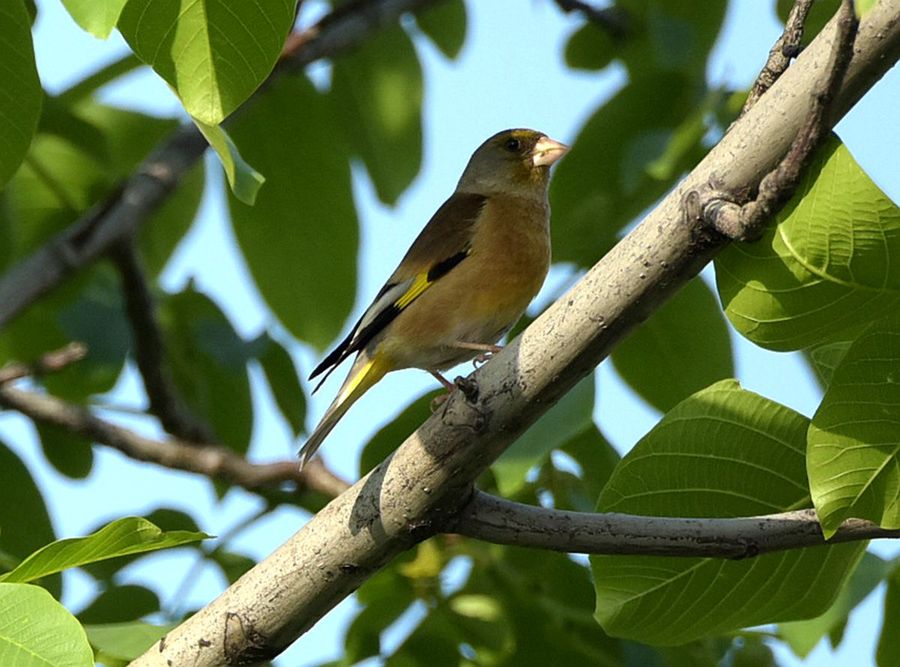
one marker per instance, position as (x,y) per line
(614,20)
(718,207)
(429,479)
(502,521)
(213,461)
(140,196)
(164,398)
(50,362)
(785,48)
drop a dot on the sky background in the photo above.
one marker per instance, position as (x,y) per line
(503,78)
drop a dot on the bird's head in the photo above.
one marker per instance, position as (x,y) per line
(512,162)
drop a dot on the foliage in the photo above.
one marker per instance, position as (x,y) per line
(824,279)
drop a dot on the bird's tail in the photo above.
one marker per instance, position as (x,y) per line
(364,373)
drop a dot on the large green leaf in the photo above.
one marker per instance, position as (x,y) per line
(209,365)
(665,360)
(129,535)
(300,239)
(570,417)
(28,528)
(98,17)
(378,92)
(214,53)
(723,452)
(854,438)
(20,99)
(119,603)
(36,630)
(826,270)
(281,374)
(802,636)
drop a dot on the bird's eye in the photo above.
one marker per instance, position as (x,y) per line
(512,145)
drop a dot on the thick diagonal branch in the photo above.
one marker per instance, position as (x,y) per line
(428,480)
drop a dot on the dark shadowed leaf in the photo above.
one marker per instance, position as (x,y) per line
(127,602)
(300,239)
(395,432)
(20,103)
(888,653)
(682,348)
(281,374)
(445,25)
(377,90)
(68,452)
(209,365)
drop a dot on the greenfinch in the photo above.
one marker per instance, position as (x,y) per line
(466,279)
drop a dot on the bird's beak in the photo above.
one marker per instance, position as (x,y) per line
(547,151)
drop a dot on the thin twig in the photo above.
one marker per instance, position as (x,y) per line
(165,401)
(785,48)
(502,521)
(213,461)
(721,211)
(50,362)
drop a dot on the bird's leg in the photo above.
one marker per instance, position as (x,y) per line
(449,386)
(485,349)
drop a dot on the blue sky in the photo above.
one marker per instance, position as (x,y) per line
(503,78)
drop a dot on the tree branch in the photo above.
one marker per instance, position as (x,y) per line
(785,48)
(213,461)
(51,362)
(428,480)
(165,401)
(502,521)
(141,195)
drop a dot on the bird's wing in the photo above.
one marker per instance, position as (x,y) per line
(439,248)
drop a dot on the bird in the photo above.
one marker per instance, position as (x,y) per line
(464,282)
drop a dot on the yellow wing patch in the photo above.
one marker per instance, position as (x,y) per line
(419,285)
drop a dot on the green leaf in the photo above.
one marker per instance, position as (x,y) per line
(209,365)
(888,652)
(854,438)
(214,53)
(564,421)
(723,452)
(70,453)
(826,270)
(129,535)
(281,375)
(243,179)
(604,182)
(590,48)
(840,226)
(802,636)
(127,602)
(97,17)
(37,630)
(28,528)
(597,459)
(378,90)
(233,565)
(300,240)
(445,25)
(20,103)
(665,361)
(826,358)
(126,641)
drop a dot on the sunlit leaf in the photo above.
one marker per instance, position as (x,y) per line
(854,438)
(244,180)
(98,17)
(724,452)
(37,630)
(214,53)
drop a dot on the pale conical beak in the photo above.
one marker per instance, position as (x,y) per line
(547,151)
